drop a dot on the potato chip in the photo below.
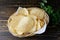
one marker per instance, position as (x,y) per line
(37,12)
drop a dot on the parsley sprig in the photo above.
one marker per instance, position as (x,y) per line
(53,14)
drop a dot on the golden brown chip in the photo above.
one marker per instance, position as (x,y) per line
(37,12)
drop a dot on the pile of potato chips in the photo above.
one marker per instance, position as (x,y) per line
(25,21)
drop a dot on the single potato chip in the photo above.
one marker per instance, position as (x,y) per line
(24,25)
(12,23)
(37,12)
(22,11)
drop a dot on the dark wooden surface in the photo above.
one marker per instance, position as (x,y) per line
(8,7)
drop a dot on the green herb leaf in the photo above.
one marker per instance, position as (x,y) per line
(54,15)
(45,1)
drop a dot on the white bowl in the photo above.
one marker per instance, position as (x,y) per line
(42,30)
